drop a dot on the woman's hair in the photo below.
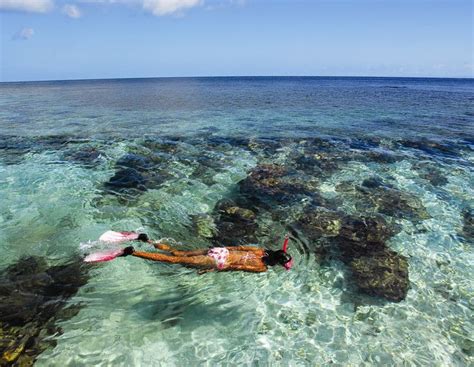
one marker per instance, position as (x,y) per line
(279,257)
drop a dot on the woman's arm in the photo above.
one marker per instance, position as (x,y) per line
(196,261)
(250,268)
(246,248)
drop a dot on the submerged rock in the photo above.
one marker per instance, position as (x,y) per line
(435,177)
(329,162)
(376,196)
(87,156)
(432,147)
(235,225)
(373,182)
(32,297)
(360,236)
(367,229)
(319,222)
(270,182)
(308,163)
(240,213)
(383,157)
(264,181)
(468,225)
(383,274)
(365,144)
(204,225)
(313,145)
(389,201)
(216,141)
(204,174)
(134,161)
(263,175)
(329,156)
(267,146)
(346,187)
(376,270)
(161,145)
(360,242)
(13,149)
(429,172)
(127,178)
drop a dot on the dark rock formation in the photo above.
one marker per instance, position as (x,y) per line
(13,148)
(135,173)
(360,242)
(127,178)
(468,227)
(373,182)
(308,163)
(374,196)
(319,222)
(383,157)
(161,145)
(134,161)
(428,171)
(383,274)
(32,297)
(235,225)
(346,187)
(272,183)
(204,225)
(389,201)
(329,162)
(266,147)
(432,147)
(364,144)
(87,156)
(360,236)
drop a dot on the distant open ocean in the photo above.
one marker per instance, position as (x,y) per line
(372,177)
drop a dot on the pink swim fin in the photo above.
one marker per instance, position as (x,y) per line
(102,256)
(117,237)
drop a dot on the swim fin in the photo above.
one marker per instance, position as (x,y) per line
(118,237)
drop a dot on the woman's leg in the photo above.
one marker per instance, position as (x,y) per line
(168,248)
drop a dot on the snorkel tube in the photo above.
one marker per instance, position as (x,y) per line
(288,264)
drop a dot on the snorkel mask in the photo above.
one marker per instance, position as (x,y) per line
(289,263)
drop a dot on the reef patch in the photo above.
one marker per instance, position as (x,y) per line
(33,296)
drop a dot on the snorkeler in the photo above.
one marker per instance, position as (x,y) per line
(243,258)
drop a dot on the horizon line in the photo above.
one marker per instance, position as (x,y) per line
(237,76)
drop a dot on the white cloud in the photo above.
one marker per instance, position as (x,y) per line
(35,6)
(72,11)
(165,7)
(24,34)
(156,7)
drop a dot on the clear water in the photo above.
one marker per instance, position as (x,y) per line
(141,313)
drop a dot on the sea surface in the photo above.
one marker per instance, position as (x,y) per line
(219,161)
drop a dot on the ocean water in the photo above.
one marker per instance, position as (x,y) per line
(184,145)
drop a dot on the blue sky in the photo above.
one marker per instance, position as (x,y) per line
(76,39)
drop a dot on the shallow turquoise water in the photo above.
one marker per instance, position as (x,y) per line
(203,138)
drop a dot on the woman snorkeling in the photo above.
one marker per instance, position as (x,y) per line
(243,258)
